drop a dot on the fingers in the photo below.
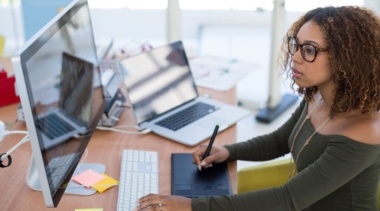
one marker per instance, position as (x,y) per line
(149,202)
(168,203)
(198,154)
(207,166)
(149,197)
(154,207)
(207,162)
(217,155)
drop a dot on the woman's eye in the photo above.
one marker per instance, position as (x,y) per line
(309,49)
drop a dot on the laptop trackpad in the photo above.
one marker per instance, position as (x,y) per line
(210,122)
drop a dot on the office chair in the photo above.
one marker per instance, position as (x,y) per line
(263,176)
(268,175)
(2,44)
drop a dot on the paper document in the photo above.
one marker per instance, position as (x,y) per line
(219,73)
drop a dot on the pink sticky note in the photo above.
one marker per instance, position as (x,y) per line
(88,178)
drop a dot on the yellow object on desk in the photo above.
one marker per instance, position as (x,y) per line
(2,44)
(90,209)
(105,184)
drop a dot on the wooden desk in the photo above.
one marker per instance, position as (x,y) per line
(104,147)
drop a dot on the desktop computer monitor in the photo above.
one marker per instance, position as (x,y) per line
(61,96)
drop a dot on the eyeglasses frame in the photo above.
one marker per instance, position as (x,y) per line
(317,49)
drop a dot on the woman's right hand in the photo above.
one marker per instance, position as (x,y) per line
(217,155)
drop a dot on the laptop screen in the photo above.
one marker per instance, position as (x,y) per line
(158,81)
(73,102)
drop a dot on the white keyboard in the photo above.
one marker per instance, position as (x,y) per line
(138,177)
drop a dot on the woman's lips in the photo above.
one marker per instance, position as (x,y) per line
(296,73)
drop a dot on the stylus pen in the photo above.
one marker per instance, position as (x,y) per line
(207,153)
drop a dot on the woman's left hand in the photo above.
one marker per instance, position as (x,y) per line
(154,202)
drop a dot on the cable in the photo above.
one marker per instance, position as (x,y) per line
(131,126)
(7,154)
(24,140)
(16,132)
(123,131)
(84,158)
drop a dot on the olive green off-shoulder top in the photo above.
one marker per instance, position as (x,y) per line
(335,172)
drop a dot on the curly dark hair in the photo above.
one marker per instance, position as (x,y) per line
(353,41)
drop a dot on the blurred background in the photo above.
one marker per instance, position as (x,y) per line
(146,20)
(233,29)
(237,29)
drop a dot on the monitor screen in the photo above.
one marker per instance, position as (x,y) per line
(61,95)
(158,81)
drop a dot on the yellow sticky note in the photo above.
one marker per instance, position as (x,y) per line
(105,184)
(91,209)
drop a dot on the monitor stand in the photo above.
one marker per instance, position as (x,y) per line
(33,180)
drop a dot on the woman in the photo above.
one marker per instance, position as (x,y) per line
(333,56)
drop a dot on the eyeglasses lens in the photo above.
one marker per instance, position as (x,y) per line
(307,51)
(292,45)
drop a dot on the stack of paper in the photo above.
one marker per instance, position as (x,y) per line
(219,73)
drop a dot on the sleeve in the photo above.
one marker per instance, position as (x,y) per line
(340,162)
(268,146)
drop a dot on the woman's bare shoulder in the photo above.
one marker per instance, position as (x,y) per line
(362,128)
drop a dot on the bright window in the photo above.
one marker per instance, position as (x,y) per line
(130,4)
(205,4)
(290,5)
(252,5)
(107,4)
(5,3)
(305,5)
(147,4)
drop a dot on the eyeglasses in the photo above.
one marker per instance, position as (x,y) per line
(308,51)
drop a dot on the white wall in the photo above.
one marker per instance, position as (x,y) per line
(373,4)
(11,27)
(145,25)
(152,23)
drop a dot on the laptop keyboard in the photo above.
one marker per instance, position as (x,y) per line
(186,116)
(53,126)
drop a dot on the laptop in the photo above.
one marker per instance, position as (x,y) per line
(70,116)
(164,98)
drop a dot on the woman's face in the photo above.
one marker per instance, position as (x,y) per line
(316,73)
